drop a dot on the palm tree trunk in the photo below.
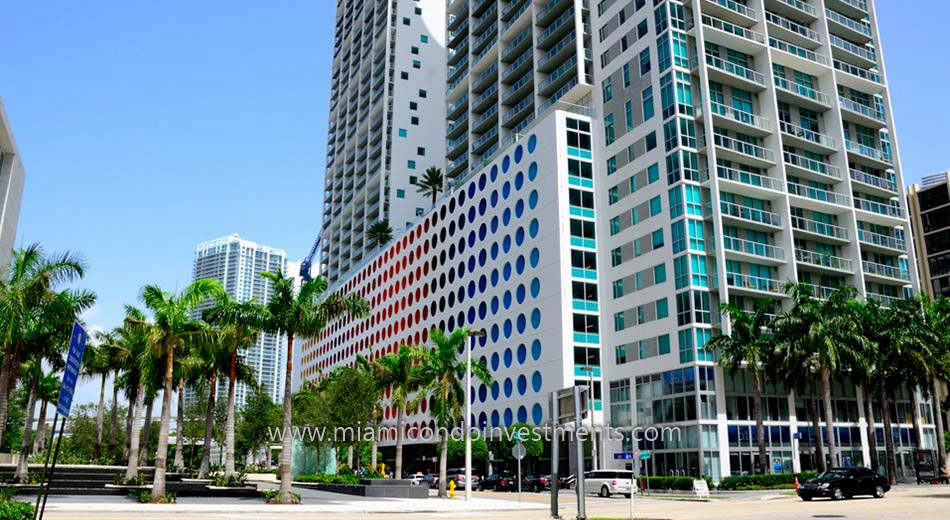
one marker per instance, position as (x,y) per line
(100,417)
(918,431)
(443,463)
(829,414)
(287,443)
(180,425)
(816,429)
(938,421)
(132,469)
(6,375)
(114,419)
(23,468)
(374,444)
(399,438)
(229,421)
(209,427)
(145,446)
(129,415)
(872,433)
(40,442)
(888,433)
(759,421)
(161,454)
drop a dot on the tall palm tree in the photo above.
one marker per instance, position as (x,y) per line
(172,326)
(98,361)
(431,183)
(749,343)
(28,280)
(874,321)
(236,322)
(380,232)
(400,372)
(141,370)
(47,392)
(303,313)
(939,317)
(439,373)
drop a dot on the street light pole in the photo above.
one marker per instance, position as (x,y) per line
(472,334)
(590,398)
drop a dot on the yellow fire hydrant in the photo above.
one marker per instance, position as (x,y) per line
(451,489)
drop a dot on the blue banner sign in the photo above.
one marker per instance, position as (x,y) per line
(77,345)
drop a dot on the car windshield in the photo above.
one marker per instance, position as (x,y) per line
(833,475)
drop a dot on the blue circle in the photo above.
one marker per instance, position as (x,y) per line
(508,387)
(506,243)
(520,294)
(519,236)
(471,263)
(536,381)
(505,190)
(472,214)
(522,414)
(506,271)
(507,357)
(533,227)
(519,181)
(482,207)
(508,328)
(494,173)
(494,275)
(522,384)
(536,349)
(482,393)
(493,198)
(482,283)
(472,237)
(508,418)
(461,296)
(522,323)
(533,199)
(506,216)
(532,171)
(482,310)
(535,257)
(537,414)
(471,289)
(494,333)
(482,258)
(522,354)
(495,390)
(519,264)
(519,210)
(519,152)
(471,190)
(471,314)
(532,143)
(505,164)
(506,300)
(472,396)
(494,419)
(494,251)
(494,224)
(482,420)
(494,305)
(482,180)
(535,319)
(535,287)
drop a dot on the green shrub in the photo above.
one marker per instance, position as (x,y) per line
(272,496)
(13,510)
(770,481)
(326,478)
(145,496)
(7,494)
(138,480)
(236,480)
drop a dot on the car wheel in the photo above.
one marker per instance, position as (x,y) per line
(604,492)
(837,494)
(806,498)
(878,491)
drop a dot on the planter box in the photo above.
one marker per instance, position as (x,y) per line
(378,488)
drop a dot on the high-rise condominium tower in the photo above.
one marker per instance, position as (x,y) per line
(11,188)
(930,216)
(238,264)
(721,149)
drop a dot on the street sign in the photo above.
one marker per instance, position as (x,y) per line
(623,456)
(701,488)
(77,345)
(518,451)
(645,454)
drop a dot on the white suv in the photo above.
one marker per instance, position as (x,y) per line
(607,482)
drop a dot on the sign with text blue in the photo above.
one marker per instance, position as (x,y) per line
(77,345)
(623,456)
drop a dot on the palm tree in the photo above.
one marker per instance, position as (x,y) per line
(431,183)
(747,345)
(826,334)
(236,320)
(439,373)
(303,313)
(29,279)
(98,361)
(47,392)
(141,371)
(400,372)
(939,318)
(172,326)
(380,232)
(874,321)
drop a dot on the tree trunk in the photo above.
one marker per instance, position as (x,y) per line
(349,457)
(180,425)
(6,375)
(374,442)
(443,463)
(759,421)
(918,431)
(872,434)
(100,417)
(888,433)
(400,409)
(205,466)
(229,421)
(39,444)
(285,496)
(114,419)
(146,435)
(816,432)
(23,466)
(161,454)
(829,415)
(132,469)
(938,421)
(129,415)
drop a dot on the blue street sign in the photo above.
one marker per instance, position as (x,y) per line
(77,345)
(623,456)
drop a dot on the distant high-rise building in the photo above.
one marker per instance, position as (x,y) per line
(238,264)
(929,204)
(12,178)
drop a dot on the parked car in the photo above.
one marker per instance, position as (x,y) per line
(562,482)
(417,479)
(432,479)
(608,482)
(841,483)
(508,482)
(536,483)
(458,475)
(494,480)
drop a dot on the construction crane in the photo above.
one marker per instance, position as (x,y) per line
(308,261)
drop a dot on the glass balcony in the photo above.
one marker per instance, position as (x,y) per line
(873,180)
(746,118)
(748,247)
(884,241)
(735,70)
(818,194)
(819,228)
(849,23)
(824,260)
(737,30)
(736,8)
(749,214)
(867,151)
(753,283)
(879,208)
(862,110)
(811,165)
(793,28)
(886,271)
(807,135)
(801,52)
(803,91)
(864,55)
(886,301)
(799,7)
(744,148)
(750,179)
(858,72)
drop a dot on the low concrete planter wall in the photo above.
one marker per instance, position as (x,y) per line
(378,488)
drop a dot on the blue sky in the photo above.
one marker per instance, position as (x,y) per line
(147,127)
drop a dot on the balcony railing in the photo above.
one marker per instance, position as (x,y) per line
(791,26)
(753,248)
(819,228)
(873,180)
(743,147)
(750,214)
(877,239)
(751,179)
(887,271)
(885,300)
(867,151)
(756,283)
(853,70)
(879,208)
(806,134)
(737,7)
(742,116)
(862,52)
(795,50)
(801,6)
(862,109)
(802,90)
(735,70)
(818,194)
(824,260)
(848,22)
(811,165)
(738,30)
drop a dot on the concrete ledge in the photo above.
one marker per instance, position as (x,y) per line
(372,488)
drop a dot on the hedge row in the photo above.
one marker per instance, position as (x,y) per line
(326,478)
(770,481)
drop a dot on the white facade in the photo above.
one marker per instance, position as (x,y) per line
(238,264)
(12,178)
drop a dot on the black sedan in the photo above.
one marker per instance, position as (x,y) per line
(496,481)
(841,483)
(536,483)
